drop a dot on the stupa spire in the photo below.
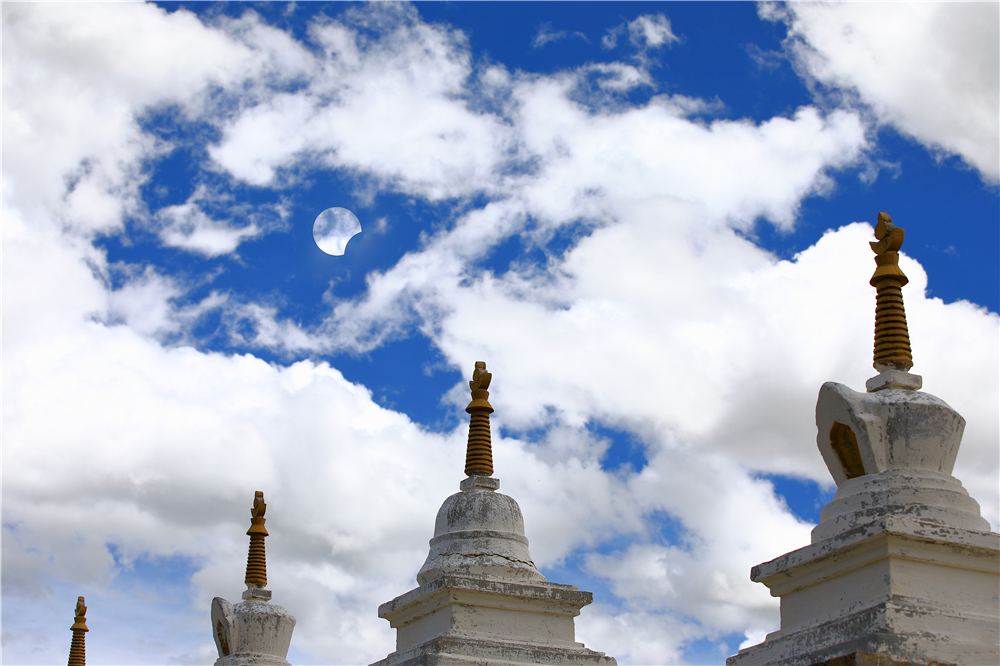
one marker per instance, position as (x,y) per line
(77,649)
(256,563)
(480,597)
(255,631)
(892,338)
(479,454)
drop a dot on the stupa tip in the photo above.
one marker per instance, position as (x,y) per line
(80,616)
(892,355)
(78,648)
(256,578)
(479,452)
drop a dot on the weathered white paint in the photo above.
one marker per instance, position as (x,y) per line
(479,532)
(481,600)
(894,428)
(902,563)
(252,633)
(897,586)
(891,378)
(930,497)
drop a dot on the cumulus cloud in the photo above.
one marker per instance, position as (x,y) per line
(930,70)
(650,313)
(433,146)
(161,459)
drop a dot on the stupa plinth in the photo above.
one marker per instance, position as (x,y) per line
(254,632)
(902,568)
(480,598)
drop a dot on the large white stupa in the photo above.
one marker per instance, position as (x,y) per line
(480,599)
(902,569)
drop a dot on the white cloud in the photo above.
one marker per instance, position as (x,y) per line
(930,69)
(189,227)
(118,440)
(648,31)
(651,31)
(546,35)
(83,163)
(112,60)
(433,145)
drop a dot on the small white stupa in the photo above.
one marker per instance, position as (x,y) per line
(254,632)
(481,600)
(902,568)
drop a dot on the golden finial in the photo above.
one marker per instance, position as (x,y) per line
(479,455)
(256,564)
(77,649)
(892,338)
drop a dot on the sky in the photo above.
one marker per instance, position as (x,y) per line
(650,220)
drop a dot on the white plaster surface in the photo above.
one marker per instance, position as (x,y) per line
(894,428)
(458,618)
(891,378)
(481,600)
(251,633)
(902,563)
(930,497)
(896,586)
(479,532)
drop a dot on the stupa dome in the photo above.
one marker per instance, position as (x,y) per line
(479,532)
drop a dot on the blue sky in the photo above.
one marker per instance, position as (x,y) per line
(649,219)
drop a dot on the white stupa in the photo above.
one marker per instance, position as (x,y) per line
(254,632)
(902,568)
(480,598)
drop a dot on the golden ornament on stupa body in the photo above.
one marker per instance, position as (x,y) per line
(479,454)
(892,338)
(78,648)
(256,563)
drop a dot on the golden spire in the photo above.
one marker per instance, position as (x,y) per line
(77,649)
(256,564)
(892,338)
(479,455)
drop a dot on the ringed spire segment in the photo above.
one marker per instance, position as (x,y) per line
(78,648)
(256,560)
(479,452)
(892,337)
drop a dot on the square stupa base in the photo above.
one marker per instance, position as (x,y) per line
(901,589)
(461,620)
